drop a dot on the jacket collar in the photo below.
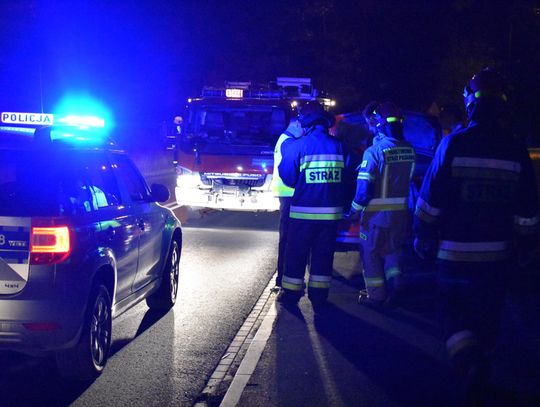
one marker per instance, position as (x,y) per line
(380,137)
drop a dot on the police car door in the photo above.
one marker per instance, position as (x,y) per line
(116,230)
(150,222)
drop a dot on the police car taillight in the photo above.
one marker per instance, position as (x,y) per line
(49,245)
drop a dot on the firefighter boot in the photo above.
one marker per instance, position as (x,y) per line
(288,298)
(364,299)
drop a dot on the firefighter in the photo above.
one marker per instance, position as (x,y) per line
(382,194)
(315,167)
(176,135)
(178,123)
(478,192)
(283,192)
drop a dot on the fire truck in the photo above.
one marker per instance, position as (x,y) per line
(224,152)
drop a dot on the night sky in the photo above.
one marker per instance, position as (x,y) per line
(144,58)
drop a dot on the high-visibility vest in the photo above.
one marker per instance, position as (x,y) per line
(279,189)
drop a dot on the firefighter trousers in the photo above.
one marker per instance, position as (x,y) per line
(310,242)
(380,251)
(470,303)
(284,209)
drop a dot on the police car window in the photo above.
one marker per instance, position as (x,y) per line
(133,181)
(74,195)
(102,184)
(40,183)
(23,185)
(89,185)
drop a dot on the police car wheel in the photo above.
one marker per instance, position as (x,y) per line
(165,297)
(88,358)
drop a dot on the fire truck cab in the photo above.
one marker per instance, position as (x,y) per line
(224,153)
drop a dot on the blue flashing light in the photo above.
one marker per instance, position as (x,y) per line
(60,134)
(83,111)
(80,135)
(82,119)
(83,122)
(78,118)
(47,119)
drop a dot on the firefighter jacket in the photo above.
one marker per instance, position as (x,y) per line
(478,190)
(279,189)
(314,166)
(383,182)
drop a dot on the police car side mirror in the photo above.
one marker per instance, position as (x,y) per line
(160,193)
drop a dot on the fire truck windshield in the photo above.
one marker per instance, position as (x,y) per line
(236,125)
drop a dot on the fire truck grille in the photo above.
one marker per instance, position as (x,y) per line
(232,182)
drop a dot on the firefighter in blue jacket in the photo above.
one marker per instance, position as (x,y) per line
(382,194)
(478,192)
(314,166)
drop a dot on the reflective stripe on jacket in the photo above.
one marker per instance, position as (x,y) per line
(316,212)
(473,251)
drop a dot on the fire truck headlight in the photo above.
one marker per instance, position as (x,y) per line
(187,178)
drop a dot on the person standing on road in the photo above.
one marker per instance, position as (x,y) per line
(176,135)
(314,166)
(478,192)
(382,194)
(283,192)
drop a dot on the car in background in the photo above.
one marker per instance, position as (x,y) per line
(82,239)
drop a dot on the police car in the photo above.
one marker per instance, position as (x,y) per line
(82,239)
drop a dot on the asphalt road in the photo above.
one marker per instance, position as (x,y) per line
(165,360)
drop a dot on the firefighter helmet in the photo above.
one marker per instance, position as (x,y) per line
(369,114)
(485,85)
(387,113)
(313,113)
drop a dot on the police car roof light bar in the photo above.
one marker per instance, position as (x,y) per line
(81,121)
(47,119)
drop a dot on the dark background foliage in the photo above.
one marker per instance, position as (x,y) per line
(144,58)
